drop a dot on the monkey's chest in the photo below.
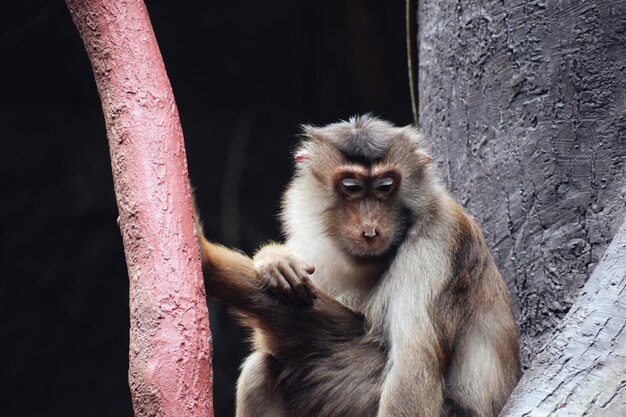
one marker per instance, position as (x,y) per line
(347,287)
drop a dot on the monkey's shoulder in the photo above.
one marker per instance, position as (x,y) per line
(470,259)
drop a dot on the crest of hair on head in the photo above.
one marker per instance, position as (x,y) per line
(361,136)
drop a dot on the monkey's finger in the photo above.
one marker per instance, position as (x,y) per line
(278,284)
(302,271)
(313,293)
(281,287)
(292,276)
(301,286)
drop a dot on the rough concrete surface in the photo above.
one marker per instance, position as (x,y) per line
(524,105)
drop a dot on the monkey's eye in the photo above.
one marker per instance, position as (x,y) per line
(384,185)
(351,186)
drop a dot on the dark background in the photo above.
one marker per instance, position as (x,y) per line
(245,75)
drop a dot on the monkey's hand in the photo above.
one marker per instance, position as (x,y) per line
(285,274)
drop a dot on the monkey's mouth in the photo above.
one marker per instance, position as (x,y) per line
(367,248)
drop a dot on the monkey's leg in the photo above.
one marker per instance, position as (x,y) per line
(484,369)
(256,388)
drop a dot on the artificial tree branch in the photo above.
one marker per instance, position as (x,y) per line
(169,370)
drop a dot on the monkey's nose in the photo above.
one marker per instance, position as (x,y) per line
(370,232)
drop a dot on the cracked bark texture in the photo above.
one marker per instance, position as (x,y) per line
(581,370)
(523,103)
(169,359)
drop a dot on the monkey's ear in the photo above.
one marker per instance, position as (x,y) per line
(301,156)
(423,157)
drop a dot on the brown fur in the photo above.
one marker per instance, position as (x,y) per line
(475,290)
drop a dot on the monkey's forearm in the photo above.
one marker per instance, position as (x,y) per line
(413,386)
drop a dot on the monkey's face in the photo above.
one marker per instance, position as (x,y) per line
(365,219)
(349,175)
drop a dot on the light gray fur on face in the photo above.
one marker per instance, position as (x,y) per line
(361,136)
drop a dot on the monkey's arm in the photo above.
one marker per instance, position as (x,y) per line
(413,385)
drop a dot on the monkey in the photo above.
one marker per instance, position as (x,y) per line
(384,299)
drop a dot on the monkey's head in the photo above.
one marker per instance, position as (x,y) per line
(361,183)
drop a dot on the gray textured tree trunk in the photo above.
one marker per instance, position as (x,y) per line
(581,370)
(524,103)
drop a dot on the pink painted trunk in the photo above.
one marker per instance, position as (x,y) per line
(169,371)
